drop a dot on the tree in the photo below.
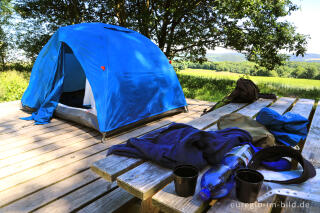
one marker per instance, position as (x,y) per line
(5,12)
(184,29)
(310,72)
(298,72)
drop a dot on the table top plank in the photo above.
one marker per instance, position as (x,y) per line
(114,165)
(311,146)
(282,104)
(168,201)
(145,180)
(250,110)
(211,117)
(303,107)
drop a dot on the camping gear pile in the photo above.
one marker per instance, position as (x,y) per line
(240,142)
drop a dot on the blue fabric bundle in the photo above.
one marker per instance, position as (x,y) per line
(288,129)
(183,144)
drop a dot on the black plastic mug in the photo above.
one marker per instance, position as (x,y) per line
(248,184)
(185,180)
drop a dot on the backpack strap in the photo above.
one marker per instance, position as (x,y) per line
(275,152)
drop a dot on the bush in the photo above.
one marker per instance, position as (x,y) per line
(12,85)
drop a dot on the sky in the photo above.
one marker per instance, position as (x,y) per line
(306,20)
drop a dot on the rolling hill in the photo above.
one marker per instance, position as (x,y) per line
(238,57)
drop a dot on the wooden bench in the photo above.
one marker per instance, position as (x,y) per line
(153,183)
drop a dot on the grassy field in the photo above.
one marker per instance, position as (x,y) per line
(198,84)
(12,85)
(213,86)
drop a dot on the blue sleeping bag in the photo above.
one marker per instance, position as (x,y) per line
(288,129)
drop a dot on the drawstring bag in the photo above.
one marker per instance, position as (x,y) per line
(245,92)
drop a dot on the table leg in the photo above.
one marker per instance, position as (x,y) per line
(147,207)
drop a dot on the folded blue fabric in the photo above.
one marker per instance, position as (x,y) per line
(288,129)
(183,144)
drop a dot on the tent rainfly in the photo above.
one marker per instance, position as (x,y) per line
(103,76)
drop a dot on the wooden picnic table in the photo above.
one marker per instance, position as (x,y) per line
(153,184)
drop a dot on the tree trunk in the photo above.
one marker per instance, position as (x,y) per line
(164,29)
(121,13)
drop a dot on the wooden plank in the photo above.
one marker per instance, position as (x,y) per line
(71,201)
(35,130)
(145,180)
(168,201)
(23,126)
(51,193)
(282,104)
(42,169)
(34,180)
(15,142)
(18,191)
(112,166)
(32,131)
(8,109)
(45,146)
(17,123)
(79,144)
(109,203)
(311,147)
(230,206)
(250,110)
(294,205)
(303,107)
(211,117)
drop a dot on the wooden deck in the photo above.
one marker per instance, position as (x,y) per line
(45,168)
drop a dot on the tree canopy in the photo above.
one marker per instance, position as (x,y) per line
(5,12)
(182,29)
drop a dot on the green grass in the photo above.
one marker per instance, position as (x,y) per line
(198,84)
(213,86)
(12,85)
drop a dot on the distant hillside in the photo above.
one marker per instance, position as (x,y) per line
(238,57)
(233,57)
(309,57)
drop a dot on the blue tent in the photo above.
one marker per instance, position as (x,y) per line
(130,77)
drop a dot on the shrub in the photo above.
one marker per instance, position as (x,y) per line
(12,85)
